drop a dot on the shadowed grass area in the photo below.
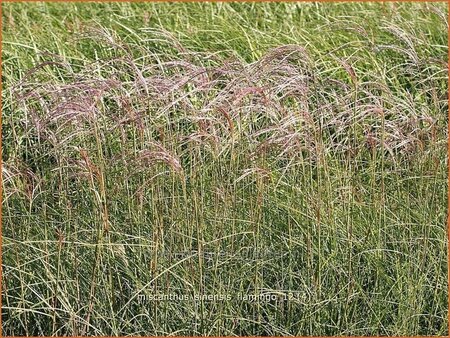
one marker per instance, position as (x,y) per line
(224,169)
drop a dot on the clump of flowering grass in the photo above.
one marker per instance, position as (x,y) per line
(165,170)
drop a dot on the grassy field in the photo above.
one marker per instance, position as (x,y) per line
(224,169)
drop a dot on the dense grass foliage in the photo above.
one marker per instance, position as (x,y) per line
(288,160)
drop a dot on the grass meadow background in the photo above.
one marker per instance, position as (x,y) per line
(292,152)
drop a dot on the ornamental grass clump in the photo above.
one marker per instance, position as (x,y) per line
(295,167)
